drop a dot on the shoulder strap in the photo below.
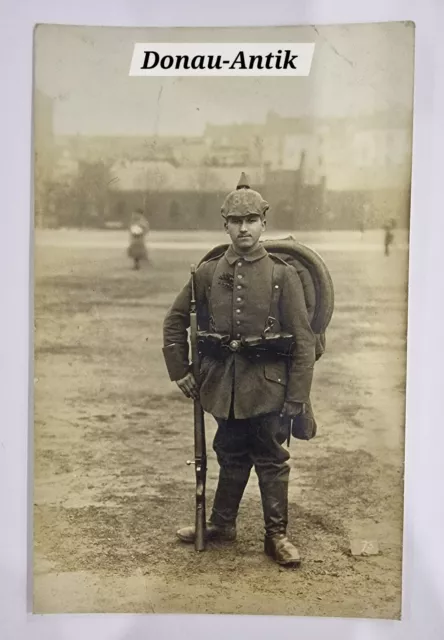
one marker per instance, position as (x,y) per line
(210,269)
(278,284)
(277,280)
(277,259)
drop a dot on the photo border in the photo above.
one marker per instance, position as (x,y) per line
(423,566)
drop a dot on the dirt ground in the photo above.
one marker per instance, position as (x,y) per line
(112,436)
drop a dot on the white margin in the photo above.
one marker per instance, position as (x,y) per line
(423,611)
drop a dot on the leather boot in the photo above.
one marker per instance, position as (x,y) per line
(229,492)
(212,532)
(222,524)
(282,550)
(273,483)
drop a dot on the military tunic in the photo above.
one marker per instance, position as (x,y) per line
(242,295)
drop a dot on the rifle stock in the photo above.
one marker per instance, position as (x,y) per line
(200,455)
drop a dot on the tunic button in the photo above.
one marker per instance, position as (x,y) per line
(239,264)
(238,335)
(239,286)
(276,286)
(238,299)
(238,310)
(238,322)
(240,276)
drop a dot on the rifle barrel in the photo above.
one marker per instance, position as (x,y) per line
(200,457)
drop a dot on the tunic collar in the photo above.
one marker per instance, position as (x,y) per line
(231,256)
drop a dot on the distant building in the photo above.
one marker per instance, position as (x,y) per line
(65,169)
(189,151)
(173,196)
(368,167)
(350,164)
(315,172)
(235,144)
(162,176)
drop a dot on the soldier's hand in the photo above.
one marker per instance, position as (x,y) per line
(292,409)
(188,386)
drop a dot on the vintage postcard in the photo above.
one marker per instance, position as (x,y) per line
(221,275)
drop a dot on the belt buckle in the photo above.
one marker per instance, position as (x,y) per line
(234,345)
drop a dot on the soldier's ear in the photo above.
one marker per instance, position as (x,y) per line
(264,224)
(226,226)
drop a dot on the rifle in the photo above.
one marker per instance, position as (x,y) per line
(200,454)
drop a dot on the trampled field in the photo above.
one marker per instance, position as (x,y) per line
(112,435)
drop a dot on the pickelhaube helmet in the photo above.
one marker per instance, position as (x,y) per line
(244,201)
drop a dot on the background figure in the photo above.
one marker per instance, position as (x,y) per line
(365,217)
(389,235)
(139,228)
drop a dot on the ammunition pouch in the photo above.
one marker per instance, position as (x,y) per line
(267,347)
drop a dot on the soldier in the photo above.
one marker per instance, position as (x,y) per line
(246,292)
(389,235)
(139,227)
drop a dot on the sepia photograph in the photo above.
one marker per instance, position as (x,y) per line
(220,319)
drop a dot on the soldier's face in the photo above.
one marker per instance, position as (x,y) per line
(245,231)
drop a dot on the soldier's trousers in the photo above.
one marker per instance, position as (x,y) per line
(240,445)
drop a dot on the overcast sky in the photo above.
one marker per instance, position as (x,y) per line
(356,69)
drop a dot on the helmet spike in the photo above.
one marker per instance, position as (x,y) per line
(244,182)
